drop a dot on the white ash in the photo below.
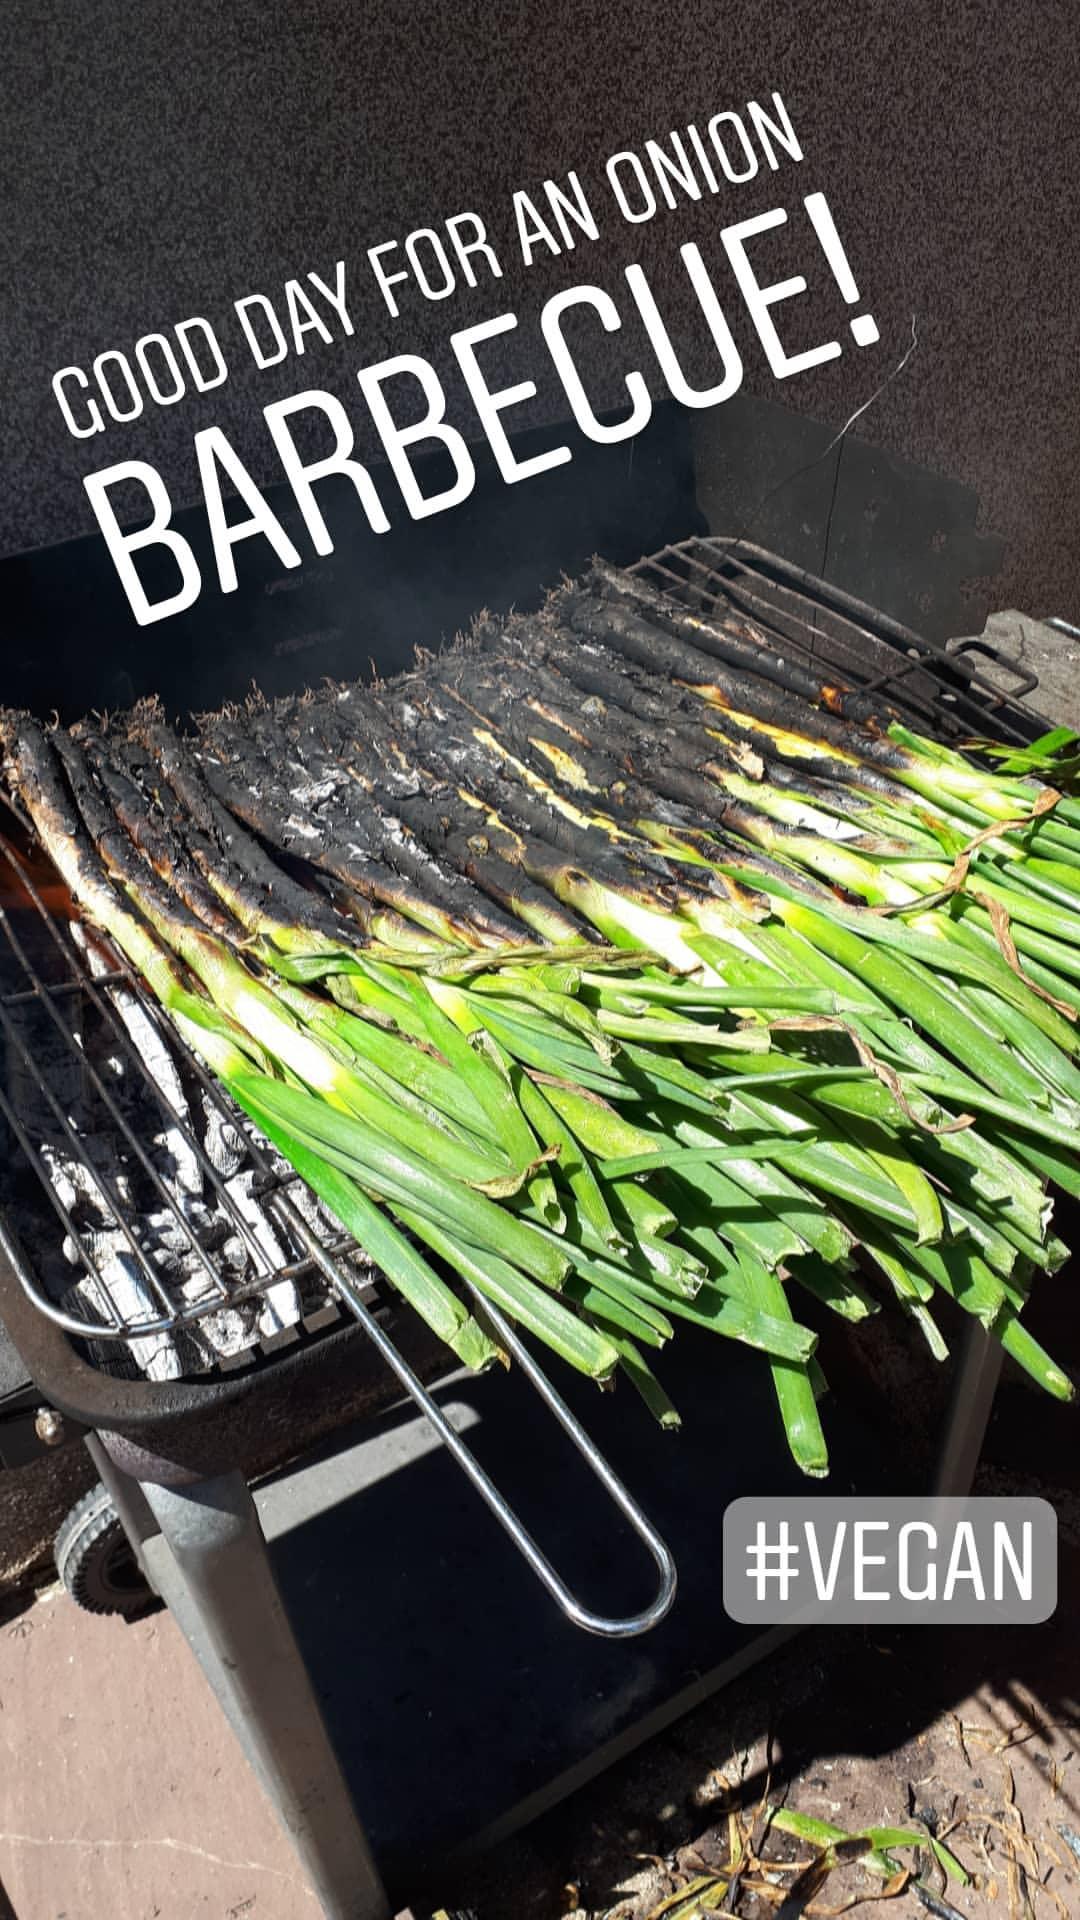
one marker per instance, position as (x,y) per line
(150,1044)
(226,1148)
(280,1305)
(310,791)
(167,1246)
(124,1290)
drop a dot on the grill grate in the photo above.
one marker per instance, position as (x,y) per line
(780,606)
(40,952)
(753,595)
(337,1262)
(749,594)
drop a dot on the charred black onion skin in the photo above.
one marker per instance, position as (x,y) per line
(402,756)
(370,845)
(263,885)
(600,673)
(445,739)
(731,638)
(644,706)
(521,864)
(575,776)
(347,844)
(430,813)
(489,854)
(615,751)
(37,774)
(682,648)
(678,801)
(166,853)
(453,749)
(119,855)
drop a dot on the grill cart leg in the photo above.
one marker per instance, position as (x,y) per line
(968,1416)
(162,1574)
(210,1565)
(130,1503)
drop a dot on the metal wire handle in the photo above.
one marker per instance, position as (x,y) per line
(607,1627)
(348,1288)
(818,623)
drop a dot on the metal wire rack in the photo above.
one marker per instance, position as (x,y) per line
(67,993)
(753,597)
(765,600)
(65,990)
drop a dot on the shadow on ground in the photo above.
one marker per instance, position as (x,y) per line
(972,1728)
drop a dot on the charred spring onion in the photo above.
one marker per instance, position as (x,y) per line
(621,971)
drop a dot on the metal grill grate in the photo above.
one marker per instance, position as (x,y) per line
(54,982)
(771,603)
(65,987)
(751,596)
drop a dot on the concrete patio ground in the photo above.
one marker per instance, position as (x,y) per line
(124,1797)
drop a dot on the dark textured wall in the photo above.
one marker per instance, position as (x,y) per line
(71,643)
(160,160)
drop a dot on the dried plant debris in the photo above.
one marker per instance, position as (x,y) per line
(794,1883)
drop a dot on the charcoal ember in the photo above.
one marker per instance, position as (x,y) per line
(154,1215)
(170,1233)
(279,1306)
(76,1188)
(156,1055)
(119,1287)
(225,1334)
(226,1148)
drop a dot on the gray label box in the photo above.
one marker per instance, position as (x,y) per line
(843,1561)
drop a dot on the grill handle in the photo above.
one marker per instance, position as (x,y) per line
(1026,681)
(607,1627)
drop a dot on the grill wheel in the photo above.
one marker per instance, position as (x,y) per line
(95,1561)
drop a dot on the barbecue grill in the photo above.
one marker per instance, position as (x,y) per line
(320,1340)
